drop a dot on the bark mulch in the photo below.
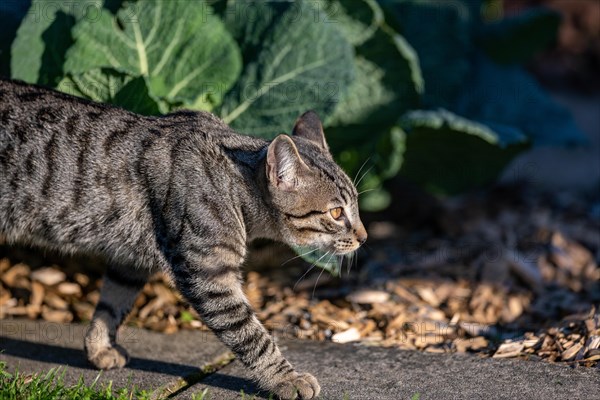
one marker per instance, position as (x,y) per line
(499,278)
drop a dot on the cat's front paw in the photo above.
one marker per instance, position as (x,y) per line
(297,385)
(109,357)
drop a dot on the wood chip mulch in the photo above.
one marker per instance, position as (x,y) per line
(513,280)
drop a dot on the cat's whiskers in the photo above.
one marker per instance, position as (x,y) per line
(360,169)
(366,191)
(321,273)
(363,175)
(308,270)
(350,260)
(298,256)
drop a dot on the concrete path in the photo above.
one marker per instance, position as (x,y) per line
(188,362)
(158,361)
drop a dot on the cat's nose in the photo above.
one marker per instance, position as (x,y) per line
(361,234)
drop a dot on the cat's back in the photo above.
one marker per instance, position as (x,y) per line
(70,168)
(33,114)
(24,103)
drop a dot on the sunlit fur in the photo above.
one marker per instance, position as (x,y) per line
(322,186)
(182,194)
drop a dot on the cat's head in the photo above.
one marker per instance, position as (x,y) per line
(316,200)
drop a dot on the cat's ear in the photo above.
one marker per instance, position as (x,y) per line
(284,164)
(309,127)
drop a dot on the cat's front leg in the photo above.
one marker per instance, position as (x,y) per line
(211,283)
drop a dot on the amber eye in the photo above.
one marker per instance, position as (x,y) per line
(337,212)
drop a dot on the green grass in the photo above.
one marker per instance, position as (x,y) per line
(201,395)
(51,386)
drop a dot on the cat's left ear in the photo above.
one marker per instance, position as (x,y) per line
(309,126)
(285,167)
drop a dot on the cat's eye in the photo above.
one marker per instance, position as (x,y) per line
(337,212)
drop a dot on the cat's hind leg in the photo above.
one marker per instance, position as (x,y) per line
(119,291)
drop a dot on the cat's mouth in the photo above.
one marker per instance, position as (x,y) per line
(345,252)
(344,247)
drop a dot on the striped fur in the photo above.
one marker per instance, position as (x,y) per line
(182,194)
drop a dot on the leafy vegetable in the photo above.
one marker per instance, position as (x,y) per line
(302,64)
(388,82)
(250,22)
(38,52)
(183,50)
(440,33)
(444,151)
(507,96)
(109,86)
(358,20)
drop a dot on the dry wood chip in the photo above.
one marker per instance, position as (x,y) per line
(17,271)
(515,307)
(81,279)
(455,319)
(33,311)
(478,343)
(444,291)
(326,322)
(153,305)
(428,339)
(17,310)
(507,350)
(48,276)
(56,315)
(55,301)
(405,294)
(140,301)
(531,342)
(525,268)
(592,344)
(460,345)
(368,327)
(429,313)
(571,254)
(93,297)
(368,297)
(4,264)
(68,289)
(171,326)
(349,335)
(435,350)
(37,294)
(12,302)
(571,352)
(166,294)
(396,323)
(428,295)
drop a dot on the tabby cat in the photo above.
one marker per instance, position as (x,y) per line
(183,194)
